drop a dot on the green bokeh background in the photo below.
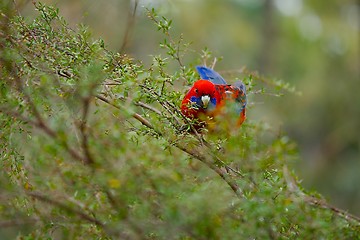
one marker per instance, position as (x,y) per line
(314,45)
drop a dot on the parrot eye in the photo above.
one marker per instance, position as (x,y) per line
(196,91)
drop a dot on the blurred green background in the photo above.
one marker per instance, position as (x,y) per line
(314,45)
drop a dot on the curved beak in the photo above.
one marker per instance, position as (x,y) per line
(205,100)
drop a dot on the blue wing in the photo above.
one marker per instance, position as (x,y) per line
(209,74)
(241,98)
(240,85)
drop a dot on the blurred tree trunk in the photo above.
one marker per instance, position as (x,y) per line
(268,36)
(132,7)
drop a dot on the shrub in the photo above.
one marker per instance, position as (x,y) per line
(94,146)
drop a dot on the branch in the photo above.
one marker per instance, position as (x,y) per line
(129,26)
(84,135)
(18,222)
(210,163)
(141,104)
(323,204)
(134,115)
(65,207)
(294,188)
(172,110)
(167,105)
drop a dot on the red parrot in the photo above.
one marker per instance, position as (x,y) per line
(209,95)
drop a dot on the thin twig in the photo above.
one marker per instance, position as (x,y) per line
(134,115)
(214,63)
(167,105)
(141,104)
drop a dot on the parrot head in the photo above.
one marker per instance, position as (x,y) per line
(203,95)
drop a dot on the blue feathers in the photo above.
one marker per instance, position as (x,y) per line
(209,74)
(197,103)
(240,85)
(237,90)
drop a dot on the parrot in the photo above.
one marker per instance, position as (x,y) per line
(209,95)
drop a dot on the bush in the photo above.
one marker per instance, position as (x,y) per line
(94,146)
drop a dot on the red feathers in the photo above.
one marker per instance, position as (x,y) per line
(192,106)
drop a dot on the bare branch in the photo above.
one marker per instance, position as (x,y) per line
(129,26)
(141,104)
(84,135)
(18,222)
(65,207)
(167,105)
(134,115)
(211,165)
(294,188)
(172,110)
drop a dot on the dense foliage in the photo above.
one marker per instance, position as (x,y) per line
(93,146)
